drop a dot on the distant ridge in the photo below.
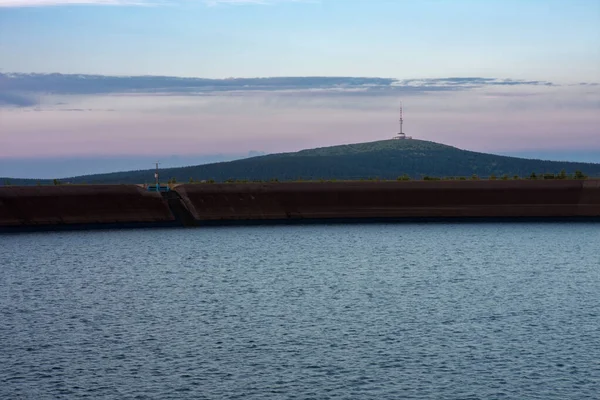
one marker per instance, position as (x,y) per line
(386,159)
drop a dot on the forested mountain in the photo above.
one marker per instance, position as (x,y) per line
(386,159)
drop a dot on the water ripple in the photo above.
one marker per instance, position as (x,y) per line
(415,311)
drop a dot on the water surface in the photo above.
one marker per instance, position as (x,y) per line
(413,311)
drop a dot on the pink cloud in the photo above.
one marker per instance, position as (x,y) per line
(551,119)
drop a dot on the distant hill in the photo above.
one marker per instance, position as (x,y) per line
(385,159)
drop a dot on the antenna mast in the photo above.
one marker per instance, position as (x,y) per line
(156,175)
(401,134)
(401,120)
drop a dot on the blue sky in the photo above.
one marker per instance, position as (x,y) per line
(530,73)
(528,39)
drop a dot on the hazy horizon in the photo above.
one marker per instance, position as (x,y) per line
(66,167)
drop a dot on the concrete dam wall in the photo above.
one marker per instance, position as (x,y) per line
(392,200)
(103,206)
(85,206)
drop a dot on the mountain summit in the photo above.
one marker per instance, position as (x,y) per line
(386,159)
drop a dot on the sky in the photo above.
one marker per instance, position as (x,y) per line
(84,83)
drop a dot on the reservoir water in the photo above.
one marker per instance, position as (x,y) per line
(407,311)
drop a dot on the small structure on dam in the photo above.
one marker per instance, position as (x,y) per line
(157,187)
